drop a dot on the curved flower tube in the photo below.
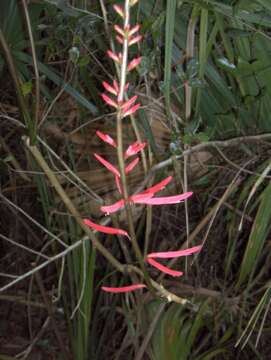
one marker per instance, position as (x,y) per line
(105,229)
(123,289)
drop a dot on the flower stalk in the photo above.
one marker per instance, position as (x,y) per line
(128,36)
(123,72)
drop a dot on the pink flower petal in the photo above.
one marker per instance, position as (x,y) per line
(110,209)
(138,198)
(119,10)
(166,200)
(134,40)
(134,149)
(107,164)
(163,268)
(158,187)
(134,63)
(109,88)
(123,289)
(106,138)
(118,184)
(175,254)
(105,229)
(134,30)
(119,39)
(119,30)
(113,56)
(132,110)
(131,166)
(109,101)
(125,106)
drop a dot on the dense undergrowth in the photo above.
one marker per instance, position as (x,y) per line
(205,87)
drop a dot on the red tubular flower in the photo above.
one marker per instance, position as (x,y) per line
(119,30)
(110,209)
(107,164)
(134,149)
(134,30)
(134,63)
(158,187)
(132,110)
(127,104)
(109,101)
(119,10)
(163,268)
(110,88)
(175,254)
(105,229)
(114,56)
(146,197)
(118,184)
(175,199)
(119,39)
(123,289)
(134,40)
(132,165)
(106,138)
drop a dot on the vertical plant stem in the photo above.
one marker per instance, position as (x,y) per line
(129,214)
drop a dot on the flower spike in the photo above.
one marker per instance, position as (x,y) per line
(123,289)
(105,229)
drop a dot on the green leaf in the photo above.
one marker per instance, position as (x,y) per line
(26,88)
(257,238)
(170,24)
(59,81)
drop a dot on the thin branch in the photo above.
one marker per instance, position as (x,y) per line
(212,144)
